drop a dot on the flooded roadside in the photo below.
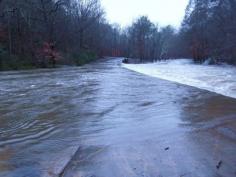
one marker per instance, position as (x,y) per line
(114,122)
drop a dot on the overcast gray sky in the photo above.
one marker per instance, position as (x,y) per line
(163,12)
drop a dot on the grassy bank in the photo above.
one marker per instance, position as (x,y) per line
(13,62)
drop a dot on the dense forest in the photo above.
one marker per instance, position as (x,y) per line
(46,33)
(42,33)
(208,32)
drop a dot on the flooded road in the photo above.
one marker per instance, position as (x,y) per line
(106,121)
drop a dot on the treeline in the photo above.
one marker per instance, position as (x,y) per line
(44,33)
(209,29)
(208,32)
(147,41)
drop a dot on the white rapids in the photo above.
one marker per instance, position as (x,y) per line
(220,79)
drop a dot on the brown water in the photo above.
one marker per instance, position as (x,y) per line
(105,121)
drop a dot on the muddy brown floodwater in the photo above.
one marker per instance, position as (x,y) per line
(101,120)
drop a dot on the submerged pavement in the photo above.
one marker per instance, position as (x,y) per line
(106,121)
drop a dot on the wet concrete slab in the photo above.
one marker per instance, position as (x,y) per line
(105,121)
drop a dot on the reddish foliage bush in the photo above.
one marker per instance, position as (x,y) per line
(47,54)
(50,52)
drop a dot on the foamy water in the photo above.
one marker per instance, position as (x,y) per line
(219,79)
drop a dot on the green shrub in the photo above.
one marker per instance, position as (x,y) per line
(14,62)
(84,57)
(8,62)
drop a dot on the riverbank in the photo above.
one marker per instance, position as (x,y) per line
(11,63)
(120,122)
